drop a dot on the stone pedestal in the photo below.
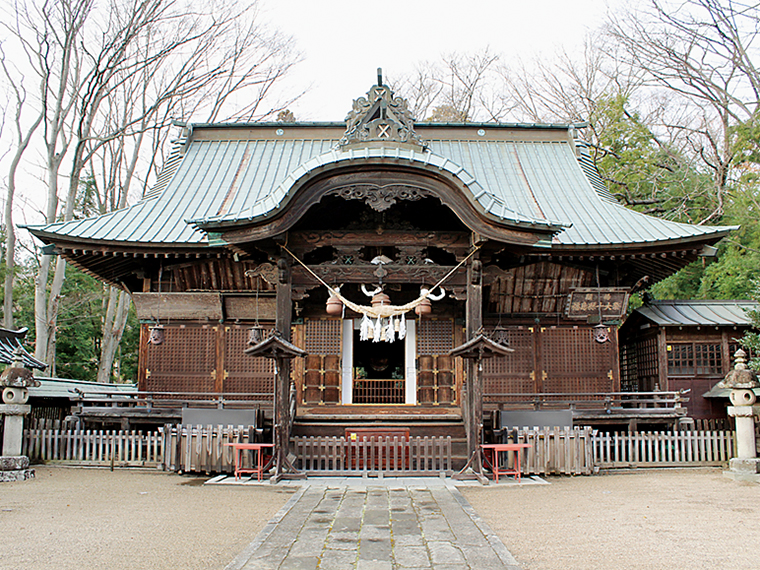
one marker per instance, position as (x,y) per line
(13,465)
(744,416)
(745,466)
(743,381)
(15,468)
(15,382)
(13,434)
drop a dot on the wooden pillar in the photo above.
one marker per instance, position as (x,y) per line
(282,379)
(282,325)
(662,360)
(473,323)
(615,359)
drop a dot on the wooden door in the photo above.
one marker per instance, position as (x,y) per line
(552,360)
(321,375)
(251,377)
(573,362)
(184,362)
(515,373)
(435,368)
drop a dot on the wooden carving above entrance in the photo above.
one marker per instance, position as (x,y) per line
(367,274)
(380,198)
(457,243)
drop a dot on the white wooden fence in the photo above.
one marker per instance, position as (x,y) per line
(172,448)
(662,449)
(554,451)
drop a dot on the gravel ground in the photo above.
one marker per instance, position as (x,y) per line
(661,519)
(75,519)
(88,518)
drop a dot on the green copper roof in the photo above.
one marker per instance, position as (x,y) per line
(226,177)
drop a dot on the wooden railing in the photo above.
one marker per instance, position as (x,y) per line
(173,400)
(391,456)
(201,448)
(554,451)
(606,401)
(377,391)
(557,451)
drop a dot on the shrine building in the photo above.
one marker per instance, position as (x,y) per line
(378,246)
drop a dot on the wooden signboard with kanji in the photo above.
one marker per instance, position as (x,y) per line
(600,302)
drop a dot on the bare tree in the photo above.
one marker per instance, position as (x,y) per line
(23,135)
(49,34)
(703,52)
(459,88)
(112,75)
(249,63)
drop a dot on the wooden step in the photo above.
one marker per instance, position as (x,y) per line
(421,429)
(367,412)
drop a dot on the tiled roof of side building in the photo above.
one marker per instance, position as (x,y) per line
(11,347)
(699,312)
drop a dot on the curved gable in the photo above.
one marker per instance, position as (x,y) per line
(380,171)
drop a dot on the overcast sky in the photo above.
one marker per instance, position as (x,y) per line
(345,41)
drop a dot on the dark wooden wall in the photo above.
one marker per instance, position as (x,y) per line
(203,358)
(683,358)
(554,359)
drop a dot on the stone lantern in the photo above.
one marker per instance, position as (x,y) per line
(15,382)
(742,381)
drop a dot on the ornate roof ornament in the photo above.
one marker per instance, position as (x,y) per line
(380,117)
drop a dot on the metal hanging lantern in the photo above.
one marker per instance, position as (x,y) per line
(255,335)
(424,308)
(601,333)
(334,306)
(157,335)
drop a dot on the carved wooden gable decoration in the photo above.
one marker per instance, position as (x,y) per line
(380,117)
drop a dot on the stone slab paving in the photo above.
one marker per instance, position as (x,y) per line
(394,525)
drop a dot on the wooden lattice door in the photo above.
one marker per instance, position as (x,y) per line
(321,376)
(184,362)
(515,373)
(435,368)
(573,362)
(252,377)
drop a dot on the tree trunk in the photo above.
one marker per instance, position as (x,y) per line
(113,329)
(10,262)
(40,309)
(54,301)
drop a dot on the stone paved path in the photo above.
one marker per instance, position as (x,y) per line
(376,528)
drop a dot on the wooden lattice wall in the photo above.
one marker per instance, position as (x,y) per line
(513,374)
(244,374)
(198,358)
(184,362)
(553,360)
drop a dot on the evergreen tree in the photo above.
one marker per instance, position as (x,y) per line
(751,340)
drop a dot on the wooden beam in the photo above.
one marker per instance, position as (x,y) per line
(155,306)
